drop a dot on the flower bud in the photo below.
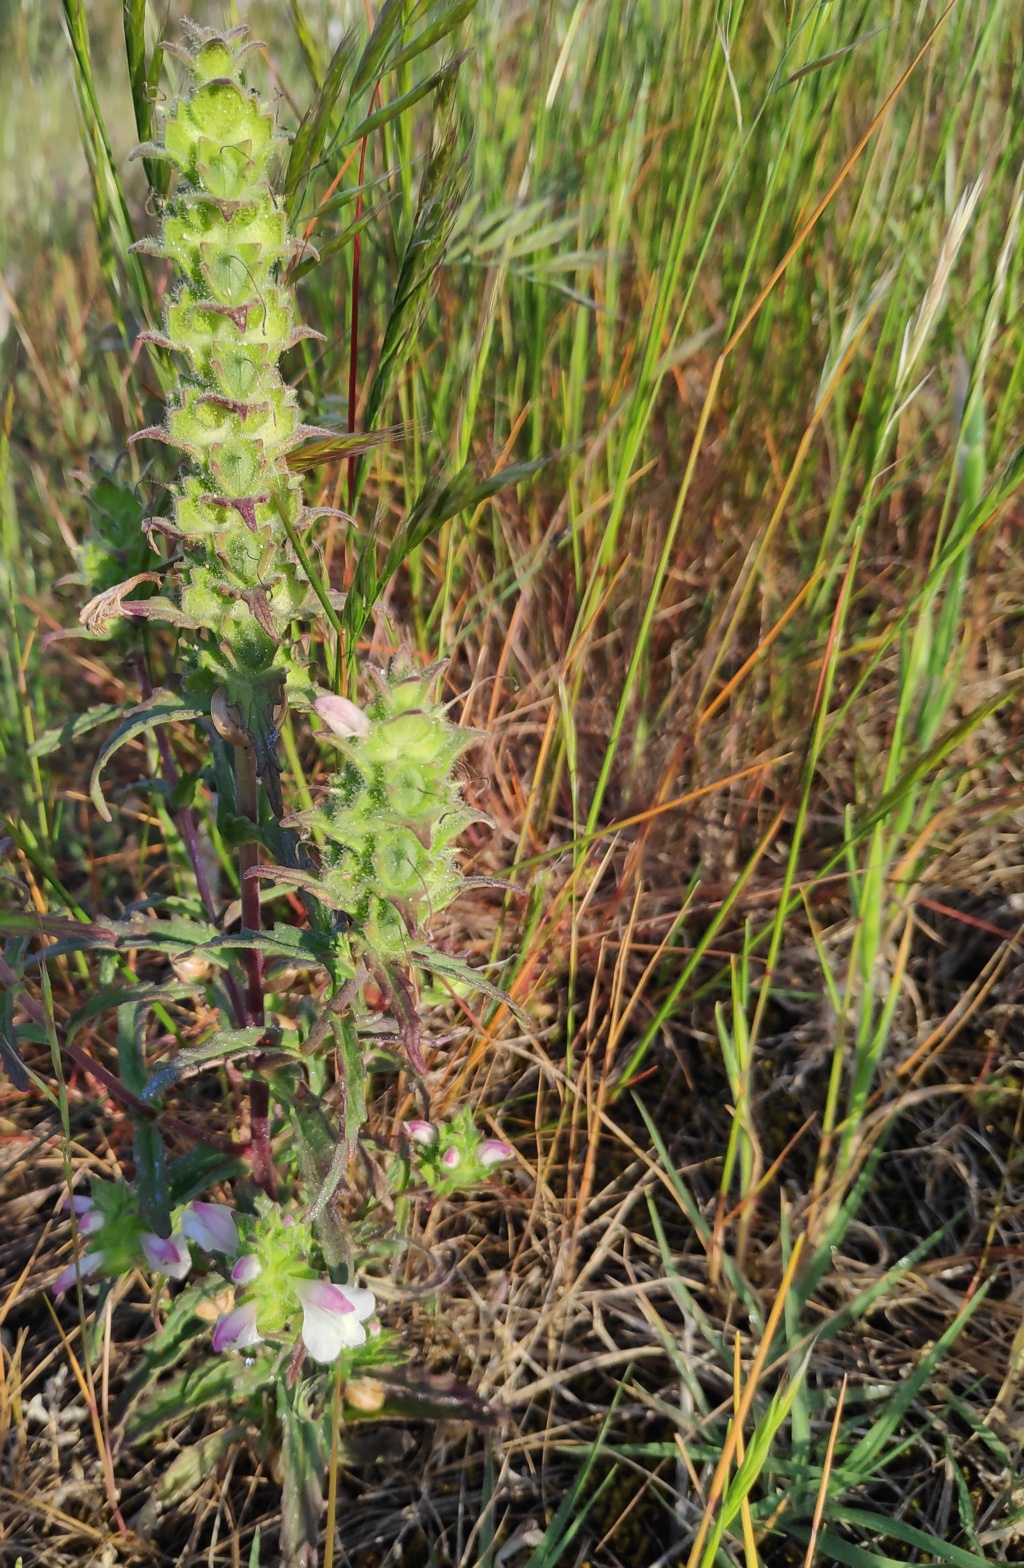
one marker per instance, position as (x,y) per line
(451,1159)
(89,1264)
(246,1269)
(423,1133)
(237,1330)
(342,717)
(492,1151)
(211,1226)
(366,1394)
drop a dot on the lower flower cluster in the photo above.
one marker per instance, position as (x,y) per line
(277,1283)
(268,1254)
(266,1257)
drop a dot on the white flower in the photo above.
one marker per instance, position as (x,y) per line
(88,1264)
(167,1254)
(492,1151)
(332,1316)
(237,1330)
(342,716)
(246,1269)
(211,1226)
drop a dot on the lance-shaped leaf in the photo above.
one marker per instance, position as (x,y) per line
(303,1464)
(189,1469)
(163,707)
(10,1057)
(132,996)
(221,1046)
(71,729)
(434,31)
(225,1383)
(454,969)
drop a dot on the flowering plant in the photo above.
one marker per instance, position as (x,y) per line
(370,861)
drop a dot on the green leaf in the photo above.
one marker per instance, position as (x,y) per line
(180,1329)
(220,1046)
(226,1382)
(309,947)
(71,729)
(201,1167)
(127,283)
(89,932)
(454,969)
(354,1081)
(10,1057)
(164,707)
(127,995)
(862,1460)
(187,1471)
(303,1463)
(885,1525)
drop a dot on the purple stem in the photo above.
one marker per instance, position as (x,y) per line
(247,800)
(260,1156)
(190,838)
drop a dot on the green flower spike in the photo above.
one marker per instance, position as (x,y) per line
(236,580)
(392,812)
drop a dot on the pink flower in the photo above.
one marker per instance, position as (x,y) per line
(167,1254)
(451,1159)
(89,1264)
(211,1226)
(424,1133)
(332,1316)
(236,1330)
(342,716)
(492,1151)
(246,1269)
(89,1222)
